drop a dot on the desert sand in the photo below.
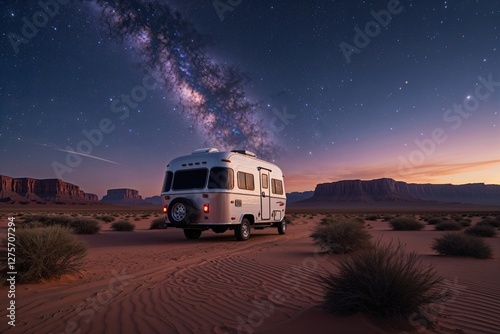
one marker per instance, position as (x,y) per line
(156,281)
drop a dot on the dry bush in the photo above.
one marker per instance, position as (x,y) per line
(460,244)
(44,253)
(383,281)
(342,236)
(406,224)
(123,225)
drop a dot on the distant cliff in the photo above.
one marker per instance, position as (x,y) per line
(27,190)
(123,196)
(389,190)
(298,196)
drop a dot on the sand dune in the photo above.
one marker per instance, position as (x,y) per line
(151,281)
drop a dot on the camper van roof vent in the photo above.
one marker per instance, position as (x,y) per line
(245,152)
(205,150)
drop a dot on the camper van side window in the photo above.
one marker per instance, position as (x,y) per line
(277,186)
(221,178)
(245,181)
(190,179)
(168,181)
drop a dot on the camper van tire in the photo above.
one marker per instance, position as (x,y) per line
(182,212)
(242,231)
(192,234)
(282,227)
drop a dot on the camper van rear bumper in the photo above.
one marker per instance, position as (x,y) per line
(201,225)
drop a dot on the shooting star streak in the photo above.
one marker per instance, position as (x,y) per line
(72,152)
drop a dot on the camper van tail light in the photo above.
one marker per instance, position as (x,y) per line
(206,208)
(165,209)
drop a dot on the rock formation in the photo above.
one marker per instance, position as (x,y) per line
(27,190)
(123,196)
(389,190)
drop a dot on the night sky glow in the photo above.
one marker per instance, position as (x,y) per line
(329,90)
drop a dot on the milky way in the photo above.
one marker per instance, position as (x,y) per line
(209,94)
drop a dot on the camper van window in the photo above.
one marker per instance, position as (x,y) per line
(277,186)
(168,181)
(265,182)
(190,179)
(221,178)
(245,181)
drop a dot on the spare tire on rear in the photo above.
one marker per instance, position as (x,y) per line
(182,212)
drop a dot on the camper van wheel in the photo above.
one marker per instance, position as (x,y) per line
(242,231)
(192,234)
(182,212)
(282,227)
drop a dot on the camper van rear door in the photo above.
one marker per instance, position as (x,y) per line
(265,194)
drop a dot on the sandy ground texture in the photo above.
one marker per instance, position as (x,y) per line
(156,281)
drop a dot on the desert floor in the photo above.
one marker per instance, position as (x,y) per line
(156,281)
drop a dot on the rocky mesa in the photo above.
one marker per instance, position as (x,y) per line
(123,196)
(389,190)
(28,190)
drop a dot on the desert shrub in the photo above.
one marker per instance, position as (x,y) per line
(481,231)
(30,224)
(343,236)
(44,253)
(387,218)
(123,225)
(358,220)
(327,220)
(448,226)
(85,226)
(137,219)
(464,222)
(460,244)
(158,223)
(49,220)
(434,220)
(372,217)
(406,224)
(106,219)
(489,222)
(383,281)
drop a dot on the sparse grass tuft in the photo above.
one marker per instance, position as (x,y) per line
(44,253)
(481,231)
(434,220)
(448,226)
(157,224)
(489,222)
(383,281)
(460,244)
(123,225)
(85,226)
(343,236)
(106,219)
(406,224)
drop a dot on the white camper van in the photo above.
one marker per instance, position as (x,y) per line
(222,191)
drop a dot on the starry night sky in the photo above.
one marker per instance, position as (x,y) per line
(418,102)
